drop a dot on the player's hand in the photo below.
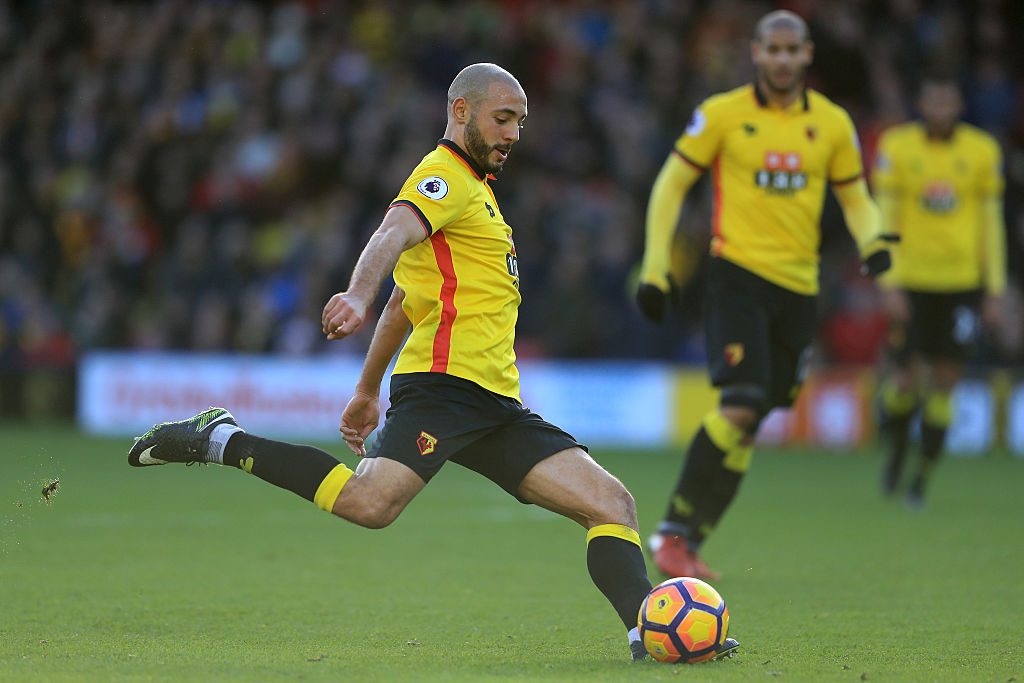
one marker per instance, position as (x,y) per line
(896,305)
(880,260)
(992,311)
(359,418)
(654,298)
(343,315)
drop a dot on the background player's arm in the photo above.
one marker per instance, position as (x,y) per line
(864,222)
(345,311)
(362,413)
(673,182)
(894,299)
(994,236)
(666,202)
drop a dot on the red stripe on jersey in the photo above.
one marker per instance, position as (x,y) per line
(716,216)
(443,336)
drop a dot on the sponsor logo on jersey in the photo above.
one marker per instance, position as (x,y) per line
(938,197)
(782,173)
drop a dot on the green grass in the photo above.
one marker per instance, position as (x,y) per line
(206,574)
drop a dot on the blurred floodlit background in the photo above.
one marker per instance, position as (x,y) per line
(188,177)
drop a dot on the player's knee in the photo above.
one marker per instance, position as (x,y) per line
(616,505)
(376,515)
(368,508)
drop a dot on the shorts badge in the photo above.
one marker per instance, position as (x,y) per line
(733,354)
(426,443)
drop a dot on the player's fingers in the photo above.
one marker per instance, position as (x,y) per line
(365,431)
(330,310)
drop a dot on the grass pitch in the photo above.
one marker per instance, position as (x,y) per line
(207,574)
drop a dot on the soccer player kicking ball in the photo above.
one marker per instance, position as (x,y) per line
(939,186)
(772,148)
(455,388)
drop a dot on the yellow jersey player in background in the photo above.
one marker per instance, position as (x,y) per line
(771,147)
(455,388)
(939,186)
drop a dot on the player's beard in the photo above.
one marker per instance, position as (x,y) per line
(478,149)
(793,84)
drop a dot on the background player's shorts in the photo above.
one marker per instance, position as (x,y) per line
(758,333)
(436,417)
(942,325)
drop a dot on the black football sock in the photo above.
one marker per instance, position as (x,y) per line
(306,471)
(616,564)
(727,482)
(934,425)
(898,408)
(706,486)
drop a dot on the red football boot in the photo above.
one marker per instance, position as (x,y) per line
(673,557)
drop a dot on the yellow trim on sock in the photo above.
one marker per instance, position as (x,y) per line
(738,459)
(723,433)
(938,409)
(330,488)
(897,402)
(616,531)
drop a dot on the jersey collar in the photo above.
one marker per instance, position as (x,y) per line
(464,158)
(762,101)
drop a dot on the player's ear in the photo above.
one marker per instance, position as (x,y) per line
(460,110)
(809,50)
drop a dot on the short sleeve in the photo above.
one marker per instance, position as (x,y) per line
(437,195)
(700,142)
(885,176)
(845,165)
(990,181)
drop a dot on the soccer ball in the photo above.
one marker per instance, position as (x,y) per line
(683,620)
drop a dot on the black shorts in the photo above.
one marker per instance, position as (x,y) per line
(436,417)
(942,325)
(758,333)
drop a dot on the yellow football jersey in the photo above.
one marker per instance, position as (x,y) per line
(938,189)
(462,282)
(769,171)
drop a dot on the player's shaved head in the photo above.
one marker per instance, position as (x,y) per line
(781,19)
(474,82)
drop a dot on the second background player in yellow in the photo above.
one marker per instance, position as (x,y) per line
(771,147)
(939,185)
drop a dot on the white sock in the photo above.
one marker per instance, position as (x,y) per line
(634,634)
(218,440)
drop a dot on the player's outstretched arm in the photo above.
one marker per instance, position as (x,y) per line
(864,222)
(345,311)
(362,414)
(673,182)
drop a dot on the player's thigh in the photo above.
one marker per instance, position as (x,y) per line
(572,484)
(378,492)
(737,328)
(945,325)
(508,453)
(792,335)
(539,463)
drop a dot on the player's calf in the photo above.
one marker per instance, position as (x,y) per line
(213,436)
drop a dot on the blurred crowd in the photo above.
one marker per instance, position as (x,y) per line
(189,174)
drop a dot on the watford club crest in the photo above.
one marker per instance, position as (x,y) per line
(733,354)
(426,443)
